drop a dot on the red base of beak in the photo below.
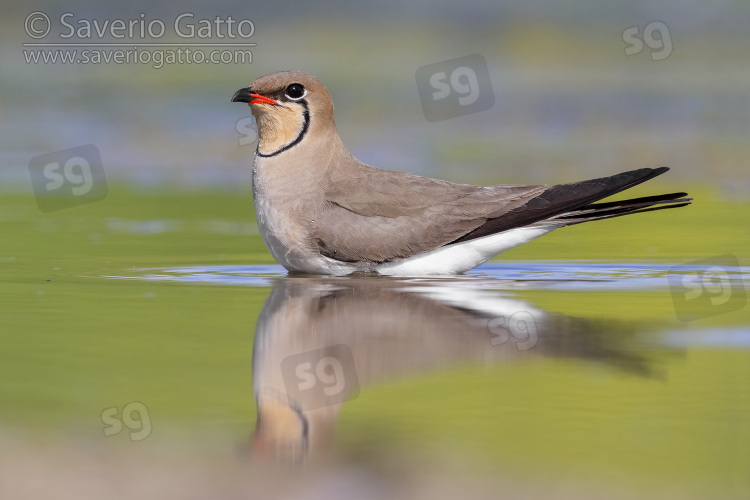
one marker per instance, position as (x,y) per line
(261,99)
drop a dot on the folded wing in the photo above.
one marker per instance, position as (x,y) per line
(406,215)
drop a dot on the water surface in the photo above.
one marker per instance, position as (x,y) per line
(591,374)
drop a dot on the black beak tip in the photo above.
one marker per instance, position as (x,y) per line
(242,95)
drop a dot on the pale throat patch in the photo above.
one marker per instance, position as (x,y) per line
(277,125)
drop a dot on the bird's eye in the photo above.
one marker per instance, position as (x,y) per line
(296,91)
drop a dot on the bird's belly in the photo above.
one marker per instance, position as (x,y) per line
(285,242)
(461,257)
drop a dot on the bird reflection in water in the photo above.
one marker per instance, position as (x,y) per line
(319,341)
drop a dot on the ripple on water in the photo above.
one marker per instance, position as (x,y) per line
(552,275)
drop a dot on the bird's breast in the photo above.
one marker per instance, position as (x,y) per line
(284,223)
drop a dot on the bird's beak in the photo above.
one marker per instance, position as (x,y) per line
(247,95)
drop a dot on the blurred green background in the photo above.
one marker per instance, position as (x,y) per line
(569,104)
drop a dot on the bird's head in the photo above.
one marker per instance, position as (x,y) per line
(287,106)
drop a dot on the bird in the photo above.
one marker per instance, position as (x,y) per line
(322,211)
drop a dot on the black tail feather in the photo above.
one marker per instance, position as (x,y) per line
(645,199)
(564,203)
(608,214)
(608,210)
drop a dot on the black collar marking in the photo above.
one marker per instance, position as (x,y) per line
(305,126)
